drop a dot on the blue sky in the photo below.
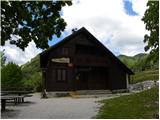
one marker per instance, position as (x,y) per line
(55,39)
(128,8)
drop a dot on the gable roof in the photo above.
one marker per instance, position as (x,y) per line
(89,35)
(64,40)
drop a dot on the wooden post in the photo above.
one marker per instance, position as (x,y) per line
(3,104)
(44,95)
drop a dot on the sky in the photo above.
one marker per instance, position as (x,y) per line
(115,23)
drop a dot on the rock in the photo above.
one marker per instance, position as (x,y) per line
(143,85)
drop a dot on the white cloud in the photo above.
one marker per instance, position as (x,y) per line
(105,19)
(18,56)
(139,6)
(108,21)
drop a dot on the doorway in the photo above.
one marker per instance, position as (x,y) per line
(83,80)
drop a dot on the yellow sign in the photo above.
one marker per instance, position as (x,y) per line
(61,60)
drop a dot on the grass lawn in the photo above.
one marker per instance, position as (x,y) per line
(139,105)
(145,75)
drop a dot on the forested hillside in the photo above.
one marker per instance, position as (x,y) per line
(138,62)
(32,76)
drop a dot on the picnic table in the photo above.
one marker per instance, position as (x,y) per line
(3,102)
(16,92)
(17,99)
(16,96)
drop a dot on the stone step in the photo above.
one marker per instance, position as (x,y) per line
(93,92)
(92,96)
(57,94)
(84,93)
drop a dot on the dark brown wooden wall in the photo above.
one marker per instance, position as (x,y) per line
(98,79)
(51,83)
(117,77)
(112,76)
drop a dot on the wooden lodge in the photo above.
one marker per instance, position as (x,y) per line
(81,62)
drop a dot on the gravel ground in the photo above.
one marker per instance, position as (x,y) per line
(54,108)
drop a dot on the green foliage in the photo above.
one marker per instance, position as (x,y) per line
(127,60)
(143,69)
(142,105)
(151,20)
(145,75)
(32,66)
(11,76)
(34,82)
(32,77)
(3,59)
(31,20)
(138,62)
(141,63)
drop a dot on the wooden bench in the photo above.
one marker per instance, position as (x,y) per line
(16,100)
(16,96)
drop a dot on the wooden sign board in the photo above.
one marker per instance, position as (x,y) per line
(61,60)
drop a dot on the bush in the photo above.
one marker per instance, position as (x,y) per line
(11,76)
(34,82)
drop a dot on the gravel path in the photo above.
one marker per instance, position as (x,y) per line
(54,108)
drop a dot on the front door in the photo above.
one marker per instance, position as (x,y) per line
(83,80)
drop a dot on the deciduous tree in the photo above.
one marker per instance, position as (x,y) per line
(11,76)
(24,21)
(151,20)
(3,59)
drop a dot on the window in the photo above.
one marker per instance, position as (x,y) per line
(61,75)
